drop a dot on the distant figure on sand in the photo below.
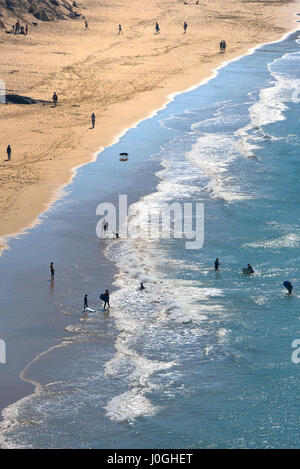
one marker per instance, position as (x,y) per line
(17,27)
(8,151)
(85,302)
(157,30)
(217,263)
(185,27)
(55,98)
(93,118)
(120,29)
(86,24)
(222,46)
(26,29)
(52,270)
(141,287)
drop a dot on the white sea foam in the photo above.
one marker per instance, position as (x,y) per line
(291,240)
(128,406)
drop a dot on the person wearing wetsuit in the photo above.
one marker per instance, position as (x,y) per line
(288,286)
(52,270)
(85,302)
(249,267)
(106,299)
(217,263)
(142,287)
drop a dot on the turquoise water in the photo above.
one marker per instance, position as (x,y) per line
(200,359)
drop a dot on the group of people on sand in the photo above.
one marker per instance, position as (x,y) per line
(55,101)
(157,28)
(249,271)
(19,29)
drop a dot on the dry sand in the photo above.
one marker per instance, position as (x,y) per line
(122,78)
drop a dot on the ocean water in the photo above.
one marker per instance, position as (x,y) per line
(199,359)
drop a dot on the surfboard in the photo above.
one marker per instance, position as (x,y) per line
(90,310)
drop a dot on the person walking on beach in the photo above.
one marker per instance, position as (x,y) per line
(120,29)
(157,30)
(26,29)
(52,270)
(8,151)
(93,118)
(86,24)
(55,98)
(105,298)
(217,263)
(185,27)
(85,302)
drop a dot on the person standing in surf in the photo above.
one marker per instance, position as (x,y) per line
(217,263)
(52,270)
(85,302)
(287,284)
(105,298)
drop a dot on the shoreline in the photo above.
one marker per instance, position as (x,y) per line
(62,190)
(44,197)
(24,381)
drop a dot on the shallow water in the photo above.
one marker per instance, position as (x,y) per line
(199,359)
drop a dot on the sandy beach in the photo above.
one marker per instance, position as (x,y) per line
(119,77)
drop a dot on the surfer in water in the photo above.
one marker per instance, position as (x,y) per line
(85,302)
(288,286)
(105,298)
(249,267)
(141,287)
(217,263)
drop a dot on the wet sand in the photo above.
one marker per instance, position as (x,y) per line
(39,314)
(122,78)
